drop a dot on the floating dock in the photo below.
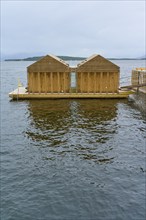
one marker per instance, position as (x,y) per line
(22,93)
(94,78)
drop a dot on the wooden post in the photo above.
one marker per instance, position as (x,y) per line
(95,82)
(63,82)
(69,80)
(118,81)
(101,82)
(27,77)
(51,75)
(58,81)
(32,79)
(112,78)
(76,81)
(45,83)
(81,82)
(107,83)
(88,84)
(138,80)
(39,83)
(28,82)
(113,75)
(115,82)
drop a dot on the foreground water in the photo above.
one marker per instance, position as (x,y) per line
(71,159)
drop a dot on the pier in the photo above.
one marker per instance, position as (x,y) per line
(138,79)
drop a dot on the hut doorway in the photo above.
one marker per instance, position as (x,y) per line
(73,81)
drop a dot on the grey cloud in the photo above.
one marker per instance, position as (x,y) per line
(77,28)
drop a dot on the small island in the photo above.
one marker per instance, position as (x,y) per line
(40,57)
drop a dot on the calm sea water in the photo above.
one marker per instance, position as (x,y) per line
(72,159)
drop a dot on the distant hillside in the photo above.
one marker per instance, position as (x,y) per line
(38,58)
(72,58)
(126,58)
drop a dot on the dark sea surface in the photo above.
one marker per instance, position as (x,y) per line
(72,159)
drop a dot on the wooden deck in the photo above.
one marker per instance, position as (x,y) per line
(21,93)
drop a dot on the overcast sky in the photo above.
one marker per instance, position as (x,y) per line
(76,28)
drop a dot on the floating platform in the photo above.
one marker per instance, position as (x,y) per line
(22,93)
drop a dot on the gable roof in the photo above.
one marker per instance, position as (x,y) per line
(58,59)
(97,62)
(48,63)
(87,59)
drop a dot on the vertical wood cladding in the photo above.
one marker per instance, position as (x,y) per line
(50,74)
(97,75)
(93,75)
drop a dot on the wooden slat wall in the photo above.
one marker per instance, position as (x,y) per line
(97,75)
(45,82)
(97,82)
(87,82)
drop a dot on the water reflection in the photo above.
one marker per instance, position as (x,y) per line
(83,128)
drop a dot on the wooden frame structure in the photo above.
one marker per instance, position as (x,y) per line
(97,75)
(51,78)
(53,75)
(48,75)
(138,77)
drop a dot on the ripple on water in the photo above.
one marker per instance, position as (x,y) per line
(74,158)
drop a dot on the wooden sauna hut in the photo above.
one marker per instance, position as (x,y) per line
(97,75)
(48,75)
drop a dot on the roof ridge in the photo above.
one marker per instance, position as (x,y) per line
(87,59)
(58,59)
(92,57)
